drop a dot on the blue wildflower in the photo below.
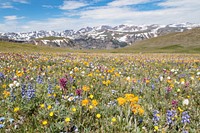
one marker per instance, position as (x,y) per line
(153,86)
(23,91)
(1,125)
(156,117)
(2,75)
(39,79)
(2,118)
(185,117)
(30,93)
(170,117)
(49,89)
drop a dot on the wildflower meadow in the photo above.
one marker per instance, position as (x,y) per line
(104,93)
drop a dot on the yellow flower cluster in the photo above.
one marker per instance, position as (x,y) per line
(86,102)
(133,102)
(86,88)
(107,82)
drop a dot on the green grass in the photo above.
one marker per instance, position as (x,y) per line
(50,38)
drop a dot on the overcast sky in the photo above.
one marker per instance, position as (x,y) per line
(59,15)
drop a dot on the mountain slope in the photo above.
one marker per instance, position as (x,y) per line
(188,41)
(100,37)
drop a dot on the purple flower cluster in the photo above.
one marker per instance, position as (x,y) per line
(185,117)
(30,93)
(39,79)
(170,117)
(49,89)
(1,75)
(156,117)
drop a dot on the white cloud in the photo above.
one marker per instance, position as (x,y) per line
(70,5)
(21,1)
(48,6)
(12,18)
(180,11)
(6,5)
(126,2)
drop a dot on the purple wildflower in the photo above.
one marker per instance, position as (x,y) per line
(170,117)
(63,83)
(78,92)
(174,103)
(185,117)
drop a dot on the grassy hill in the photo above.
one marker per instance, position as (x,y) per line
(50,38)
(18,47)
(182,42)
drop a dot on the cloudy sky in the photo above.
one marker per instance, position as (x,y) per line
(59,15)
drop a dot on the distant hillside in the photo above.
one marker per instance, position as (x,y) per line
(29,48)
(188,41)
(182,42)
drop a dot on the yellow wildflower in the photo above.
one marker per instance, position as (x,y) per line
(85,102)
(156,128)
(141,111)
(180,109)
(94,102)
(6,93)
(128,97)
(121,100)
(114,119)
(67,119)
(85,88)
(42,105)
(49,107)
(44,122)
(51,114)
(4,86)
(91,107)
(91,96)
(16,109)
(98,116)
(74,109)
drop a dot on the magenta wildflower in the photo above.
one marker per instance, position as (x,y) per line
(63,83)
(174,103)
(78,92)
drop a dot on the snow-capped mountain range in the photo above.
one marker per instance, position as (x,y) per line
(98,37)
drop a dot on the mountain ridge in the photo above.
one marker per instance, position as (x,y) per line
(100,37)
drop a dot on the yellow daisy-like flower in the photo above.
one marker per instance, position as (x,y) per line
(4,86)
(16,109)
(44,122)
(67,119)
(91,96)
(49,107)
(91,107)
(128,97)
(85,102)
(156,128)
(74,109)
(51,114)
(121,100)
(113,119)
(98,116)
(94,102)
(85,88)
(141,111)
(42,105)
(6,93)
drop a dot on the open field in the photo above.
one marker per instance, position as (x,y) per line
(83,92)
